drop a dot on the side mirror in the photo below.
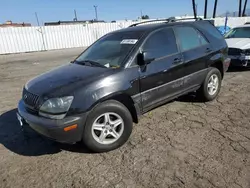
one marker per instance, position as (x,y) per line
(145,58)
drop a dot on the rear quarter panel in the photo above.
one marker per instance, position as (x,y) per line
(216,39)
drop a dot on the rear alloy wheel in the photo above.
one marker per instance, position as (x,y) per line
(108,126)
(211,85)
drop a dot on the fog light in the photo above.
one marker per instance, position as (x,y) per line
(245,63)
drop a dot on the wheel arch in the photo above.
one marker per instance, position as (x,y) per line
(216,61)
(219,65)
(123,98)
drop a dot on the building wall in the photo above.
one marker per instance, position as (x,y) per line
(29,39)
(232,21)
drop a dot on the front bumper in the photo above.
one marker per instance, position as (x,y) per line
(240,63)
(54,129)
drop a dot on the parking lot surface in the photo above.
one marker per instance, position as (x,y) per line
(184,143)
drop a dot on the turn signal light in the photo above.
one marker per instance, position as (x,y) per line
(69,128)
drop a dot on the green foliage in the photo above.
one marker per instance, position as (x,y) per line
(144,17)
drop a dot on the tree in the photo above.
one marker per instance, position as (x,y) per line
(144,17)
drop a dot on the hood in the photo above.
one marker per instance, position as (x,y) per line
(241,43)
(64,80)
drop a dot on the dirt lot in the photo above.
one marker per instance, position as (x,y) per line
(181,144)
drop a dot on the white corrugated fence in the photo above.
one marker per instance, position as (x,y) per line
(29,39)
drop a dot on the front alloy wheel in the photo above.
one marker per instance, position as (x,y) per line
(107,128)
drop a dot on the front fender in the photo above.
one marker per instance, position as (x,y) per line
(125,82)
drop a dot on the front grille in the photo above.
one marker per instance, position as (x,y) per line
(31,111)
(247,52)
(30,99)
(234,51)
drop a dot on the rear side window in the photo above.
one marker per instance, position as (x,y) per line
(189,38)
(202,39)
(208,27)
(162,42)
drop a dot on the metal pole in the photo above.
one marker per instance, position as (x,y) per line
(75,15)
(205,10)
(240,4)
(37,20)
(40,31)
(196,8)
(226,20)
(215,7)
(96,16)
(195,14)
(244,9)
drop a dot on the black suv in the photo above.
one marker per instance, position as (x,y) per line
(97,97)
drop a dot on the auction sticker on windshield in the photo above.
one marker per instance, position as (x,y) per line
(129,41)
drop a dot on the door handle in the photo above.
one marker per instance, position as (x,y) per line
(208,50)
(177,61)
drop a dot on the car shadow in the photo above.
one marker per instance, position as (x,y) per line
(28,142)
(238,69)
(191,97)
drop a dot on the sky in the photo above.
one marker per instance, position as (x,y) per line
(108,10)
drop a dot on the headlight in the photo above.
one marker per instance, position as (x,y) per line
(246,52)
(56,108)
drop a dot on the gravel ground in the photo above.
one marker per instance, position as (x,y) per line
(184,143)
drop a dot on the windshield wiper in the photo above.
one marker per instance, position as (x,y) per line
(90,63)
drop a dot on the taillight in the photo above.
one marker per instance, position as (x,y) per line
(227,62)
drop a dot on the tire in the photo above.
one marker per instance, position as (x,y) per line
(97,125)
(204,93)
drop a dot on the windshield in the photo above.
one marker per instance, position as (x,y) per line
(243,32)
(111,50)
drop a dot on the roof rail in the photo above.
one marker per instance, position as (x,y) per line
(159,20)
(166,20)
(174,20)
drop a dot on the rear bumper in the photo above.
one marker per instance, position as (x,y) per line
(54,129)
